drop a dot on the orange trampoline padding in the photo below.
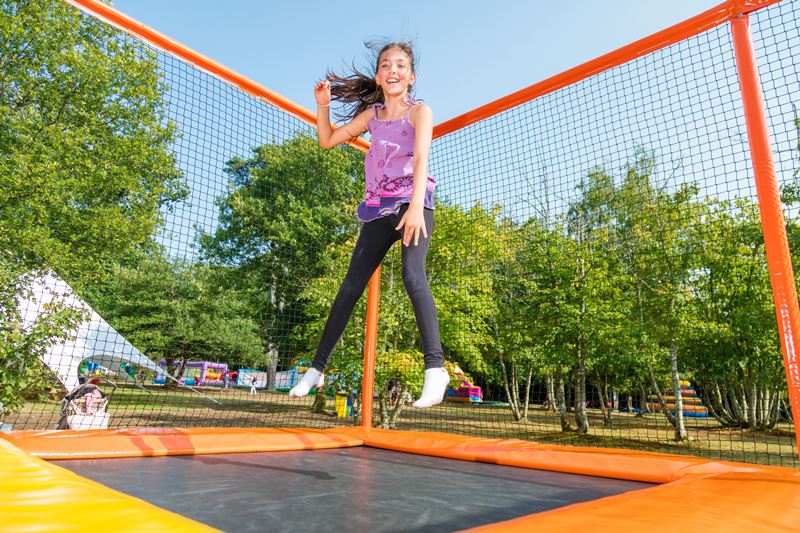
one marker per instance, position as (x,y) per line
(603,462)
(714,495)
(723,503)
(38,496)
(710,495)
(145,442)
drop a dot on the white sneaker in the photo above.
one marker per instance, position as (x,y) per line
(433,389)
(312,378)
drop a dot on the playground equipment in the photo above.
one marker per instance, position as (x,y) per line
(248,377)
(93,340)
(195,373)
(692,403)
(691,92)
(343,405)
(286,379)
(467,392)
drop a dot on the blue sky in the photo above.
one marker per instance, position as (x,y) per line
(681,103)
(470,52)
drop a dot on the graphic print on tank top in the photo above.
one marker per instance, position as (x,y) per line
(389,167)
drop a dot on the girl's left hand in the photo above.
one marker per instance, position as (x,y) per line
(414,222)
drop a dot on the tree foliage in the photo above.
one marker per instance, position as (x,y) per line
(288,204)
(85,164)
(23,342)
(181,312)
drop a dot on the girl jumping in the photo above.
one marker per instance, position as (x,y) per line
(398,203)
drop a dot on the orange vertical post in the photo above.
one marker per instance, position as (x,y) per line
(772,222)
(370,344)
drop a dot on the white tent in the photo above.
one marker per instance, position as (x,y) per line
(94,339)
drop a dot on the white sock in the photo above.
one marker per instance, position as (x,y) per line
(312,378)
(433,389)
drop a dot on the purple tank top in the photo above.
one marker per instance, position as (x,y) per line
(388,167)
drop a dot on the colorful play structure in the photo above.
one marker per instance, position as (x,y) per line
(343,405)
(712,97)
(195,373)
(692,403)
(286,379)
(92,348)
(247,377)
(467,392)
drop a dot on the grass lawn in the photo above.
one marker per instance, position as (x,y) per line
(235,407)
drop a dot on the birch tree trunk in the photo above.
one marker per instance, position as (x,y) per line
(752,406)
(527,395)
(662,401)
(390,408)
(581,419)
(643,408)
(561,403)
(511,387)
(680,428)
(602,394)
(551,393)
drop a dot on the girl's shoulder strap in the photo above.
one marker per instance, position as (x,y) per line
(413,103)
(375,107)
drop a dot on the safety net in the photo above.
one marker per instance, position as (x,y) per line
(597,259)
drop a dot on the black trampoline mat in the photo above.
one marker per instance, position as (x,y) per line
(345,489)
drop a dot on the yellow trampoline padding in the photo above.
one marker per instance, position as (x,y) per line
(39,496)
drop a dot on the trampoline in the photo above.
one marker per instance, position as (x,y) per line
(370,480)
(349,489)
(278,478)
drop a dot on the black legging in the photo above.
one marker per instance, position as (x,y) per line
(373,243)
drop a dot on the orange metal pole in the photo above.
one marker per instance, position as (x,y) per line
(370,348)
(710,18)
(781,274)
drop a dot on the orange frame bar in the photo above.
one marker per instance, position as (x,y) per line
(689,28)
(129,25)
(370,348)
(779,260)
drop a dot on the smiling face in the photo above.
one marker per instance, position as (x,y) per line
(394,73)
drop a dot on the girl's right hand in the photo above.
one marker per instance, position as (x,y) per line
(322,93)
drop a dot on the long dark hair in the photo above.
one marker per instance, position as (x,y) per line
(358,91)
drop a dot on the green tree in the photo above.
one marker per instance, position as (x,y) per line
(85,164)
(548,263)
(465,248)
(288,204)
(656,231)
(21,343)
(517,341)
(605,318)
(582,279)
(179,312)
(733,345)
